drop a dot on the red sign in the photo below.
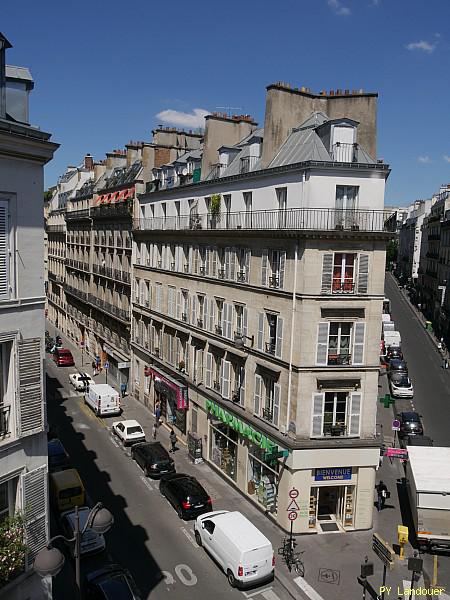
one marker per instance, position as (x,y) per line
(292,515)
(181,391)
(396,452)
(293,493)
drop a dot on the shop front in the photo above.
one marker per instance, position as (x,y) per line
(332,500)
(118,365)
(171,396)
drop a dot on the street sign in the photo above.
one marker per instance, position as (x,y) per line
(293,506)
(395,425)
(383,550)
(396,453)
(292,515)
(106,365)
(294,493)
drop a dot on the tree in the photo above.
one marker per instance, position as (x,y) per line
(12,548)
(391,253)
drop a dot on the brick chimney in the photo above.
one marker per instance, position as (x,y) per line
(88,162)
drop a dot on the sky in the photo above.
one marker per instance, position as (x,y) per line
(108,72)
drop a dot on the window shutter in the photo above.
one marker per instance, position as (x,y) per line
(212,315)
(354,413)
(186,357)
(279,340)
(209,366)
(207,259)
(244,321)
(205,312)
(214,263)
(195,265)
(363,274)
(227,263)
(194,310)
(322,343)
(276,403)
(226,371)
(30,387)
(233,264)
(34,506)
(242,385)
(228,311)
(282,267)
(257,397)
(317,418)
(327,272)
(260,342)
(264,265)
(247,264)
(179,304)
(358,343)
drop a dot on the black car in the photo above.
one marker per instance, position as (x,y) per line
(153,459)
(410,424)
(186,495)
(394,352)
(110,583)
(58,459)
(397,366)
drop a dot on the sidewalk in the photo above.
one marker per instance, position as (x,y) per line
(332,561)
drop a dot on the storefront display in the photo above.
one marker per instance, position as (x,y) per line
(172,396)
(223,448)
(262,479)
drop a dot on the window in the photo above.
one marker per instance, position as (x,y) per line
(248,202)
(267,399)
(272,268)
(238,391)
(336,413)
(202,316)
(158,297)
(282,206)
(243,260)
(219,311)
(270,334)
(227,203)
(198,364)
(230,263)
(171,294)
(8,493)
(346,204)
(340,343)
(6,388)
(339,273)
(343,272)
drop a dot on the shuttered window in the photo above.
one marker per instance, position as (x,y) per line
(327,272)
(363,274)
(171,301)
(317,414)
(264,267)
(34,487)
(4,250)
(276,403)
(322,343)
(209,367)
(226,376)
(257,396)
(260,340)
(354,413)
(30,387)
(279,338)
(358,343)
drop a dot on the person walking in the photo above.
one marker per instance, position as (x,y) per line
(157,410)
(173,440)
(382,493)
(123,389)
(154,430)
(94,368)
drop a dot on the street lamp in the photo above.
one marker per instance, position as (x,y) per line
(240,339)
(50,561)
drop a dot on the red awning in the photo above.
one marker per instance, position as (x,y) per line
(121,195)
(99,199)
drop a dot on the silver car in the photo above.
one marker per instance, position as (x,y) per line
(91,542)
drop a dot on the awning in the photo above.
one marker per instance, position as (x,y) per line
(99,199)
(180,389)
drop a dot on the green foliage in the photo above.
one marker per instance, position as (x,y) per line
(48,195)
(392,251)
(214,206)
(12,548)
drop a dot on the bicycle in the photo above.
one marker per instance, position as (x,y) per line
(291,557)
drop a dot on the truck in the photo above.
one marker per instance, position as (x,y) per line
(428,485)
(103,399)
(392,338)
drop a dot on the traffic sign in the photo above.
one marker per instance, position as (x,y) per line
(294,493)
(106,365)
(293,506)
(395,425)
(383,550)
(292,515)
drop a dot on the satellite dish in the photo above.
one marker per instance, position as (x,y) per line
(184,171)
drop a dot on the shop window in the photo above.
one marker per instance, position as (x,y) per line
(262,480)
(223,449)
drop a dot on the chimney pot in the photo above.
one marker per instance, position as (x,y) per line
(331,93)
(88,162)
(346,92)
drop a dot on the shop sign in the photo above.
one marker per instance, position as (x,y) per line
(181,391)
(240,427)
(123,365)
(333,474)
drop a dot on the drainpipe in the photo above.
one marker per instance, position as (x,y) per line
(291,351)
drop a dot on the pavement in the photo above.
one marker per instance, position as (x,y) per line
(332,561)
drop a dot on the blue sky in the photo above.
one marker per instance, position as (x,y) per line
(105,70)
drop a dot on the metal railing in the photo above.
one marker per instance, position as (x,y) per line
(267,414)
(4,420)
(339,358)
(82,213)
(342,152)
(56,228)
(118,209)
(76,292)
(77,264)
(270,347)
(343,287)
(307,219)
(115,311)
(274,281)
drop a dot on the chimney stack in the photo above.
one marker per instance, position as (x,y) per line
(88,162)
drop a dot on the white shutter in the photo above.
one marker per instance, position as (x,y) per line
(363,274)
(214,263)
(279,340)
(260,341)
(233,264)
(322,343)
(196,257)
(247,264)
(264,266)
(227,263)
(190,259)
(242,385)
(317,416)
(207,259)
(354,413)
(179,304)
(209,366)
(30,387)
(226,372)
(194,310)
(205,313)
(282,268)
(228,315)
(276,403)
(358,343)
(244,321)
(327,272)
(4,251)
(212,315)
(257,397)
(34,506)
(186,356)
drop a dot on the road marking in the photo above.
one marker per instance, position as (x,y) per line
(180,571)
(89,413)
(189,537)
(268,594)
(114,441)
(147,483)
(307,589)
(168,577)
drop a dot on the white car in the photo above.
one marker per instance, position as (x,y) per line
(130,432)
(91,542)
(401,386)
(80,380)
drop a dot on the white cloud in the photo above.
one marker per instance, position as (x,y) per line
(424,160)
(423,45)
(446,157)
(339,8)
(190,120)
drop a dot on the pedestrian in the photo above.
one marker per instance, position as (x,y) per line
(154,430)
(173,440)
(94,368)
(123,389)
(157,410)
(382,493)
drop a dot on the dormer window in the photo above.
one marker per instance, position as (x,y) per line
(343,143)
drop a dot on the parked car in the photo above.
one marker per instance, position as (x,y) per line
(63,357)
(185,494)
(103,399)
(111,582)
(153,459)
(80,381)
(91,542)
(58,459)
(130,432)
(394,352)
(410,424)
(401,386)
(397,366)
(66,490)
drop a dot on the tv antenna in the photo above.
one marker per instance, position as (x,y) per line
(228,109)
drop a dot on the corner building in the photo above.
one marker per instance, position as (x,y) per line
(257,299)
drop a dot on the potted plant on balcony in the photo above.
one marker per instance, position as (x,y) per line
(214,210)
(182,366)
(12,548)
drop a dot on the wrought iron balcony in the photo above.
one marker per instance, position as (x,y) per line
(343,287)
(236,395)
(241,276)
(77,264)
(200,323)
(294,219)
(82,213)
(267,414)
(219,329)
(270,347)
(117,209)
(216,385)
(344,152)
(76,292)
(339,358)
(56,228)
(4,420)
(274,281)
(336,430)
(184,317)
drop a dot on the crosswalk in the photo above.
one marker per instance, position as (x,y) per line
(307,589)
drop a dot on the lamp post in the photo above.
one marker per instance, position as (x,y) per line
(50,561)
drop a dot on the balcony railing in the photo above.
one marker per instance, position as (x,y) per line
(270,347)
(334,430)
(343,287)
(82,213)
(216,385)
(200,323)
(115,311)
(344,152)
(184,317)
(4,420)
(267,414)
(77,264)
(56,228)
(306,219)
(76,292)
(118,209)
(241,276)
(219,329)
(274,281)
(340,358)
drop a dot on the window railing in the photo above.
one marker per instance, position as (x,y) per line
(221,273)
(186,268)
(270,347)
(347,286)
(219,329)
(200,323)
(316,219)
(184,317)
(274,281)
(342,152)
(82,213)
(339,358)
(4,420)
(241,276)
(76,292)
(336,430)
(216,386)
(267,413)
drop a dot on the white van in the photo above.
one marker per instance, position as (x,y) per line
(103,399)
(243,552)
(388,326)
(385,317)
(392,338)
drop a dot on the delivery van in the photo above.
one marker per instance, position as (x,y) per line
(388,326)
(385,318)
(66,490)
(242,551)
(103,399)
(392,338)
